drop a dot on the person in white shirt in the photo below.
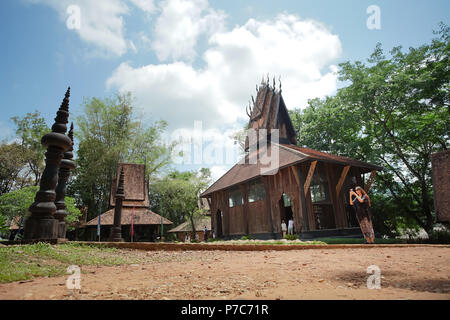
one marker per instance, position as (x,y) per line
(283,228)
(291,226)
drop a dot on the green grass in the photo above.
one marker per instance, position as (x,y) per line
(357,240)
(290,243)
(255,242)
(39,260)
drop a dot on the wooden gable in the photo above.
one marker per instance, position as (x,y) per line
(269,111)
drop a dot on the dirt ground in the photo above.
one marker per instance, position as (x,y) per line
(406,273)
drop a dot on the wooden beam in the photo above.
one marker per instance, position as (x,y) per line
(312,167)
(297,178)
(342,179)
(370,181)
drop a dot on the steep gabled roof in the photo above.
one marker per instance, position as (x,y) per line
(269,112)
(199,225)
(142,216)
(135,186)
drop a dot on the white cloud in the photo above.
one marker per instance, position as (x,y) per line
(180,25)
(145,5)
(218,171)
(102,22)
(301,51)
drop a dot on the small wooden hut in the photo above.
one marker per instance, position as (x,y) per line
(146,223)
(184,232)
(310,187)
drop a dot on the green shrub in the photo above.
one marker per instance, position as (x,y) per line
(440,236)
(246,237)
(291,237)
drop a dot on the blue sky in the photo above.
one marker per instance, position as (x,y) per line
(187,60)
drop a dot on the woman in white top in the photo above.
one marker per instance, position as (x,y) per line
(291,226)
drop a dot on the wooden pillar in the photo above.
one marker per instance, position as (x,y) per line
(116,229)
(338,210)
(42,225)
(245,190)
(298,211)
(268,211)
(306,226)
(66,166)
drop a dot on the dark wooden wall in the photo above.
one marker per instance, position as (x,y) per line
(264,216)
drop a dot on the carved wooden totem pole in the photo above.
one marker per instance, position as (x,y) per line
(64,172)
(116,231)
(42,225)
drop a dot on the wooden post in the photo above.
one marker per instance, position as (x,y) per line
(294,171)
(342,179)
(312,167)
(116,229)
(266,182)
(302,200)
(66,166)
(245,191)
(370,181)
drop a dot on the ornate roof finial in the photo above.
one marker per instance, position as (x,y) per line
(279,80)
(268,82)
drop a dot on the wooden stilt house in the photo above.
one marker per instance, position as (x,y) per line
(310,187)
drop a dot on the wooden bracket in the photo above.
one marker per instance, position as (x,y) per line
(312,167)
(297,178)
(342,179)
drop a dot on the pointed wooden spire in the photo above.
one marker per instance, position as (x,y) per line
(62,115)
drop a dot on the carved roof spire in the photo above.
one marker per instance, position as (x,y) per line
(120,188)
(62,115)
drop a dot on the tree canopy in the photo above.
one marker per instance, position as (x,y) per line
(15,204)
(110,131)
(395,113)
(176,195)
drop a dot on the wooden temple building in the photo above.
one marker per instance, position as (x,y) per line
(146,223)
(310,186)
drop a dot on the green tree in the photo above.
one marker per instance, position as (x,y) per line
(15,204)
(30,130)
(394,112)
(110,132)
(12,163)
(176,195)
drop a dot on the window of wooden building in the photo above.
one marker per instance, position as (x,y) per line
(257,191)
(321,200)
(236,198)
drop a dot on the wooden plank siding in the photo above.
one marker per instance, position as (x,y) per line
(333,173)
(263,216)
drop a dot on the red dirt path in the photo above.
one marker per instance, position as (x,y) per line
(407,273)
